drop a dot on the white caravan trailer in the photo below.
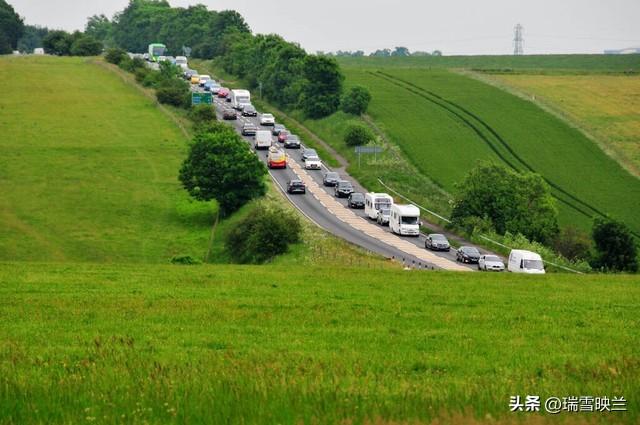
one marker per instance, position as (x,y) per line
(405,220)
(521,261)
(240,98)
(375,201)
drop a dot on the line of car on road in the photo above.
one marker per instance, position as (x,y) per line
(403,220)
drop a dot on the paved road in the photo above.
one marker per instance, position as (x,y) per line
(333,215)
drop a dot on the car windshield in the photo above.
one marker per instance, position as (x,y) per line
(310,152)
(267,116)
(471,251)
(385,211)
(296,183)
(438,237)
(292,138)
(249,108)
(357,197)
(409,220)
(332,175)
(533,265)
(313,158)
(345,185)
(492,258)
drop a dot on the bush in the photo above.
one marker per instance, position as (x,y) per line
(264,234)
(86,46)
(185,260)
(356,101)
(616,250)
(573,244)
(172,96)
(512,202)
(115,55)
(202,114)
(357,135)
(220,166)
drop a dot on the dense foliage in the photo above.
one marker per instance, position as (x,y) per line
(358,134)
(616,249)
(263,235)
(11,28)
(356,101)
(115,55)
(221,167)
(62,43)
(510,201)
(32,38)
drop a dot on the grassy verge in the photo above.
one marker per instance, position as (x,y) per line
(235,344)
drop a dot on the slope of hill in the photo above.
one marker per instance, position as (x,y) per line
(229,344)
(607,107)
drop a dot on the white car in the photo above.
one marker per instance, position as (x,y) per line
(267,119)
(490,263)
(312,163)
(204,79)
(382,216)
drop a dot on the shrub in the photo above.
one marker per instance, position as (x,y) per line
(358,134)
(573,244)
(115,55)
(202,114)
(86,46)
(356,101)
(221,167)
(172,96)
(185,260)
(616,250)
(512,202)
(264,234)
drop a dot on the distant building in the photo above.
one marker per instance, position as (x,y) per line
(38,51)
(627,51)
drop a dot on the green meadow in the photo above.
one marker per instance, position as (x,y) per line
(231,344)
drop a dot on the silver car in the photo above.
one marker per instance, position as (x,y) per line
(490,263)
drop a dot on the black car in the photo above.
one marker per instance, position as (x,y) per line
(356,200)
(437,242)
(249,129)
(228,99)
(249,111)
(277,129)
(308,153)
(229,114)
(343,189)
(468,254)
(331,179)
(292,142)
(296,186)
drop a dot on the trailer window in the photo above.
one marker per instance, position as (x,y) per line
(533,265)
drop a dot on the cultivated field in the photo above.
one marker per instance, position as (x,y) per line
(505,63)
(445,122)
(162,344)
(605,106)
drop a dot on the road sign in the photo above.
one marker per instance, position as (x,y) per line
(201,98)
(368,150)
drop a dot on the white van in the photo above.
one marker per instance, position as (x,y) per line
(521,261)
(375,201)
(182,62)
(240,98)
(405,220)
(263,139)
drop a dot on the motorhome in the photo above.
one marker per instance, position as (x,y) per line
(373,202)
(263,139)
(240,98)
(521,261)
(404,220)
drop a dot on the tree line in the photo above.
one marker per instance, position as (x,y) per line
(399,51)
(11,28)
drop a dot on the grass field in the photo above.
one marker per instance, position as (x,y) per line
(223,344)
(445,122)
(604,106)
(543,63)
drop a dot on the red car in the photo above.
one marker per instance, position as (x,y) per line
(223,92)
(282,136)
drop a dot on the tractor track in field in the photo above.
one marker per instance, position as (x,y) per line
(466,117)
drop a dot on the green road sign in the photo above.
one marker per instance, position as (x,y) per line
(201,98)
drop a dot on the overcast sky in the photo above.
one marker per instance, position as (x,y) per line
(453,26)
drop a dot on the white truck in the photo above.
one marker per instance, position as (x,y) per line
(373,202)
(182,62)
(240,98)
(521,261)
(404,220)
(263,139)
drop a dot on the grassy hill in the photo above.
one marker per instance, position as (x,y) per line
(605,106)
(88,169)
(163,344)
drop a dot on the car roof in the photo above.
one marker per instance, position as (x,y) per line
(437,235)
